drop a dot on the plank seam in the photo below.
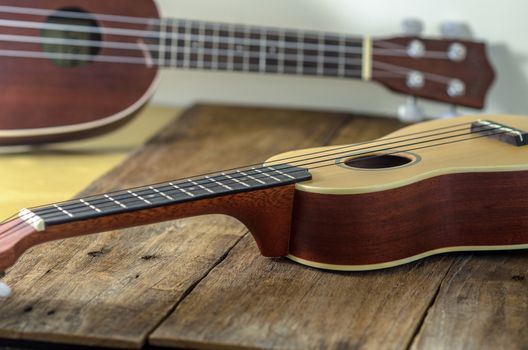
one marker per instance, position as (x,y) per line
(432,302)
(189,290)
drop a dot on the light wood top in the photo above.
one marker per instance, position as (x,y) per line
(479,154)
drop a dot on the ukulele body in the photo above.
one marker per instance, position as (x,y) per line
(459,197)
(433,187)
(44,100)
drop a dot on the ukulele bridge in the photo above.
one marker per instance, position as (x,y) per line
(500,132)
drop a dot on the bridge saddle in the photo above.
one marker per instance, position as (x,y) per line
(500,132)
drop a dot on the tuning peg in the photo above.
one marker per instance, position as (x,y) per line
(410,111)
(450,113)
(5,291)
(412,26)
(455,30)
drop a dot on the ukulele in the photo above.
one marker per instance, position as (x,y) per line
(434,187)
(79,68)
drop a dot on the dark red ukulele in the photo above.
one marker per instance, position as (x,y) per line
(440,186)
(87,65)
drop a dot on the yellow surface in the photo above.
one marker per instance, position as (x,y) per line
(53,173)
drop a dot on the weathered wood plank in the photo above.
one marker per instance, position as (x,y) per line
(249,302)
(482,304)
(112,289)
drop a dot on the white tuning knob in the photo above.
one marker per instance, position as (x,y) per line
(5,291)
(455,30)
(412,26)
(450,113)
(410,111)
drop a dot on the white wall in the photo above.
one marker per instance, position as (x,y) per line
(501,23)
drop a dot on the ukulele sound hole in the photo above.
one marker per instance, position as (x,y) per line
(69,46)
(378,161)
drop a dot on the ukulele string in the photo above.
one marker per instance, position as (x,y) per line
(379,68)
(333,72)
(206,39)
(290,158)
(389,68)
(152,34)
(167,188)
(171,61)
(17,228)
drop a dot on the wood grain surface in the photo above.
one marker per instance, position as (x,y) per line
(114,288)
(482,304)
(201,282)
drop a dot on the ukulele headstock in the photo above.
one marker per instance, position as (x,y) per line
(448,70)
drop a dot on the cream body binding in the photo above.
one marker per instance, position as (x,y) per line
(479,155)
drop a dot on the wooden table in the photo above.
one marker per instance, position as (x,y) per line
(201,283)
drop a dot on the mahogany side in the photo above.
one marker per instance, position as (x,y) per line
(74,101)
(467,209)
(266,213)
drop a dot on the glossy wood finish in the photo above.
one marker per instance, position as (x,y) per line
(37,94)
(266,213)
(42,102)
(472,209)
(12,235)
(474,71)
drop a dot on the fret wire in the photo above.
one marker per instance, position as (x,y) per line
(201,47)
(246,54)
(200,186)
(175,45)
(183,190)
(281,53)
(188,45)
(216,31)
(230,47)
(212,179)
(300,53)
(115,201)
(139,197)
(307,46)
(262,55)
(89,205)
(320,54)
(161,53)
(342,58)
(168,43)
(159,196)
(236,180)
(266,174)
(161,193)
(307,58)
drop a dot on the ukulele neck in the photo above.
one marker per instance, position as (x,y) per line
(211,46)
(166,194)
(260,197)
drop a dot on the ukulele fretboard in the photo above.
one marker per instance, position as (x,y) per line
(166,193)
(214,46)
